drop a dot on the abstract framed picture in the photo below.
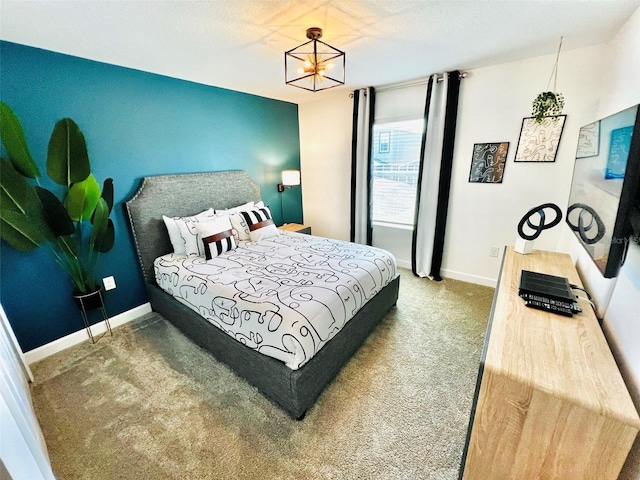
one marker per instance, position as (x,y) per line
(589,141)
(618,152)
(487,162)
(539,141)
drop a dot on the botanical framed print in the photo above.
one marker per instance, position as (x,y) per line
(488,161)
(539,141)
(589,141)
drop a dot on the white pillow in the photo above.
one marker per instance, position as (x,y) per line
(192,244)
(239,224)
(260,223)
(240,227)
(174,232)
(216,236)
(239,208)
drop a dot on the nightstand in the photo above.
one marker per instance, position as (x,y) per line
(296,227)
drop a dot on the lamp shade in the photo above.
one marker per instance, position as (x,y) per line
(290,178)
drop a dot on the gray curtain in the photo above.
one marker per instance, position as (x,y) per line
(363,110)
(434,180)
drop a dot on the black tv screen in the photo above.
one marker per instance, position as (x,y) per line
(604,189)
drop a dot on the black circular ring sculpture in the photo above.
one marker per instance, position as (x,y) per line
(541,226)
(581,228)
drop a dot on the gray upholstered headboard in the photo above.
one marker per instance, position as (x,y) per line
(180,195)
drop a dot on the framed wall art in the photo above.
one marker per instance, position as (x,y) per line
(589,141)
(487,162)
(618,152)
(539,141)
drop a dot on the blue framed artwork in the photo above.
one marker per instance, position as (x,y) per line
(618,152)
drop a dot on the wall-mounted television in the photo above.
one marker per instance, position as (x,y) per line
(605,195)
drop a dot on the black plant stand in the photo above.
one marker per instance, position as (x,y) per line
(93,301)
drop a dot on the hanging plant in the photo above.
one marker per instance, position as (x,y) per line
(549,103)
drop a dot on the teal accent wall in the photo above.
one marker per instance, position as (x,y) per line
(136,124)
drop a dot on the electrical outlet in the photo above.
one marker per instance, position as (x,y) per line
(109,283)
(494,252)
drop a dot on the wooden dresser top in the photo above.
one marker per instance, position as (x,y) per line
(567,357)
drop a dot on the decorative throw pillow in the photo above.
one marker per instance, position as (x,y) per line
(191,237)
(216,236)
(260,223)
(175,237)
(240,228)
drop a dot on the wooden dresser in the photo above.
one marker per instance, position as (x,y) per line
(550,402)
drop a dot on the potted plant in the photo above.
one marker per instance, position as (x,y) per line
(549,103)
(75,227)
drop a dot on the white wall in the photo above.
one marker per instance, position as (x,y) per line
(596,81)
(395,240)
(622,90)
(619,90)
(493,102)
(325,162)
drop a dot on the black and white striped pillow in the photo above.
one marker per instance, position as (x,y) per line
(217,236)
(260,223)
(240,230)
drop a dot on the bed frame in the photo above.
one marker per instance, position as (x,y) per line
(294,391)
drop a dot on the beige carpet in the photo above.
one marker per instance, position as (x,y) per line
(149,404)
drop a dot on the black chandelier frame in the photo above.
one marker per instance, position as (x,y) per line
(313,81)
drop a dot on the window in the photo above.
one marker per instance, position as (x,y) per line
(395,163)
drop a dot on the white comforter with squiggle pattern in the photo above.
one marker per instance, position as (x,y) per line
(283,296)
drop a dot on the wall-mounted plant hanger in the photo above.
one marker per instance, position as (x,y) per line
(549,103)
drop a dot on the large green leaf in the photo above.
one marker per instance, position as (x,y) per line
(69,248)
(15,144)
(15,188)
(54,213)
(6,203)
(107,192)
(106,242)
(67,158)
(19,196)
(102,233)
(82,199)
(20,231)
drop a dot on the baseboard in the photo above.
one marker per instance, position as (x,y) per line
(403,264)
(80,336)
(465,277)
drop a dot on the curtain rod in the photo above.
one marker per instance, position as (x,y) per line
(421,81)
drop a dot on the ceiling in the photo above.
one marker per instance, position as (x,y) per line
(240,44)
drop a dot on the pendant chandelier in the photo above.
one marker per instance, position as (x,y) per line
(314,65)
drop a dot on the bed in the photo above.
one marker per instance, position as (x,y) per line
(291,383)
